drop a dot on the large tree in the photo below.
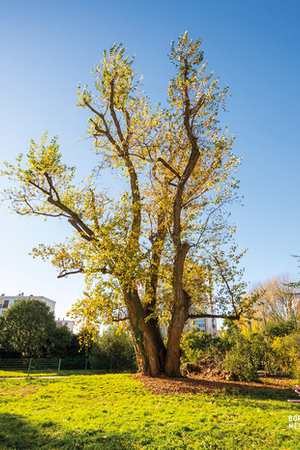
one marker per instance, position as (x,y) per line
(153,255)
(26,326)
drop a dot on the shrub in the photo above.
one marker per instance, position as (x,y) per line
(260,349)
(241,360)
(279,329)
(60,344)
(286,350)
(115,345)
(194,345)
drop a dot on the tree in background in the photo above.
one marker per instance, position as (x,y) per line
(62,343)
(115,346)
(279,300)
(153,255)
(26,326)
(279,329)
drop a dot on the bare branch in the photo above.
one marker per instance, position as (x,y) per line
(65,274)
(38,213)
(105,132)
(204,228)
(224,279)
(95,216)
(93,109)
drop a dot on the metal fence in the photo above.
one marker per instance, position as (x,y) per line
(31,365)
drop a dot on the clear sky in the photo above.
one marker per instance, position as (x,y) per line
(48,47)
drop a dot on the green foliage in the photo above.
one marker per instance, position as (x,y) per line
(261,351)
(279,329)
(276,350)
(194,344)
(241,356)
(241,360)
(61,343)
(199,344)
(116,345)
(26,326)
(286,354)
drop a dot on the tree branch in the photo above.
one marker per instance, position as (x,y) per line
(119,319)
(79,229)
(52,188)
(65,274)
(169,167)
(104,270)
(74,219)
(128,126)
(198,105)
(225,280)
(107,133)
(112,109)
(236,316)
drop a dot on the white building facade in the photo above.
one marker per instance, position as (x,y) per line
(207,325)
(70,324)
(7,301)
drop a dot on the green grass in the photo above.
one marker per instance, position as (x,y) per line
(116,412)
(39,373)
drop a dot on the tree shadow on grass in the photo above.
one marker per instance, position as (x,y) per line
(18,433)
(195,385)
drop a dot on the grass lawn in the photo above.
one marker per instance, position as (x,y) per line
(115,411)
(46,373)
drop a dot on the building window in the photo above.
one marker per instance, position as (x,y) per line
(200,324)
(5,304)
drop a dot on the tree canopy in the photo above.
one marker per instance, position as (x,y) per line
(26,326)
(163,249)
(279,300)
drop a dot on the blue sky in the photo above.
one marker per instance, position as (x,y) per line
(47,48)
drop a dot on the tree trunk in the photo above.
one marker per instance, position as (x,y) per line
(179,316)
(150,347)
(176,327)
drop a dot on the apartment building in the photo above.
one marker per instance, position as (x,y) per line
(7,301)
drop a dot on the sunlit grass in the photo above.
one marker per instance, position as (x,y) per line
(116,412)
(38,373)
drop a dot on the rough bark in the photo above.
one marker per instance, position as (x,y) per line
(180,314)
(148,341)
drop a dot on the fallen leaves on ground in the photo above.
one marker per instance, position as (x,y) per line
(195,384)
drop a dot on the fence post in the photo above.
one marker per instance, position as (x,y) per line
(59,364)
(29,367)
(86,364)
(110,365)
